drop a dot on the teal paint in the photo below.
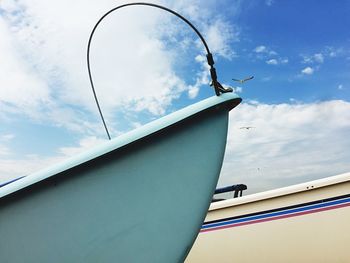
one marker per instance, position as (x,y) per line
(143,200)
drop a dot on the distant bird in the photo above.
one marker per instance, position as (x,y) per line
(243,80)
(246,127)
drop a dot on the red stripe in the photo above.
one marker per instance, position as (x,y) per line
(276,217)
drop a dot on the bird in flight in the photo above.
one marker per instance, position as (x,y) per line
(246,127)
(243,80)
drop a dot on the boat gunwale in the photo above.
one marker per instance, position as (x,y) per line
(122,141)
(280,192)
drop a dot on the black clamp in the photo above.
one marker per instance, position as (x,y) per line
(217,86)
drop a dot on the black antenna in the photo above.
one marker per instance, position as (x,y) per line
(217,86)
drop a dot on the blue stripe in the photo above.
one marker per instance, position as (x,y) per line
(11,181)
(283,212)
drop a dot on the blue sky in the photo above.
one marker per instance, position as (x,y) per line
(296,31)
(147,64)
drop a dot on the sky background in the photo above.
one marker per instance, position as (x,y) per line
(146,64)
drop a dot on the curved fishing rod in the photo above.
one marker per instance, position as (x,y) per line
(217,86)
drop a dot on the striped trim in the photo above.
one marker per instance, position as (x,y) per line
(276,214)
(11,181)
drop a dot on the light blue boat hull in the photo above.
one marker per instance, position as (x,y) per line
(143,202)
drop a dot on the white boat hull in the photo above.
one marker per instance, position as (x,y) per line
(302,223)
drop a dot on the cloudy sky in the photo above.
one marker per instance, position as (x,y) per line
(147,63)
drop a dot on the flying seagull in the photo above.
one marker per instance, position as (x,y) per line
(246,127)
(243,80)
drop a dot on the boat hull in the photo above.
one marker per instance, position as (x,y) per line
(306,224)
(143,202)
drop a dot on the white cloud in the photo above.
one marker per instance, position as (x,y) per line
(308,71)
(272,61)
(290,143)
(203,77)
(319,58)
(260,49)
(219,35)
(276,61)
(11,168)
(24,89)
(217,30)
(193,92)
(43,75)
(84,144)
(19,83)
(4,150)
(7,137)
(270,56)
(307,60)
(333,52)
(132,65)
(237,89)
